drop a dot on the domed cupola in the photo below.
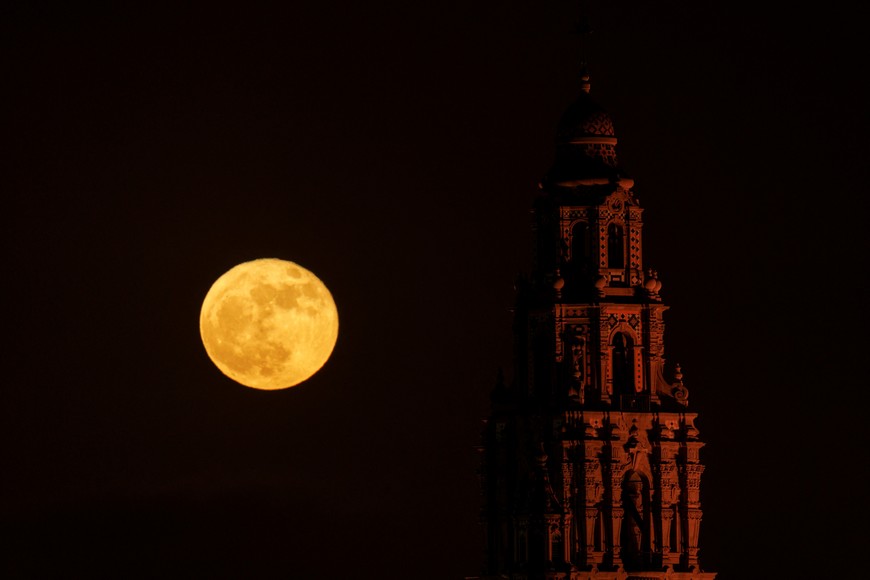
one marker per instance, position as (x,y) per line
(585,145)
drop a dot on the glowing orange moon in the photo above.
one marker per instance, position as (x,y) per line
(268,324)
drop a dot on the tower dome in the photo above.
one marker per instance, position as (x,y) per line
(585,144)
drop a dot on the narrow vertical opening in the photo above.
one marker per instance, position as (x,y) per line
(597,533)
(623,364)
(615,247)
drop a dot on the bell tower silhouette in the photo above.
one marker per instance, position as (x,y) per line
(590,457)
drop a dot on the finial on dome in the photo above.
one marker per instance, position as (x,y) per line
(584,80)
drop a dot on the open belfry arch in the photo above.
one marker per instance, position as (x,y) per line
(590,459)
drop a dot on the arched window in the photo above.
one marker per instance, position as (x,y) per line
(615,247)
(623,364)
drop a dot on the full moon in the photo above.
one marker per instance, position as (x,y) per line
(268,324)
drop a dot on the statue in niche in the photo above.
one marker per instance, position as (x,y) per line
(578,359)
(634,542)
(578,362)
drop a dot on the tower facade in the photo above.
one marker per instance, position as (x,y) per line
(591,463)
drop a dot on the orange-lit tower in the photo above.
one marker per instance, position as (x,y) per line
(591,466)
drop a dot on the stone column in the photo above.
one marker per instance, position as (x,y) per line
(616,470)
(690,480)
(605,373)
(671,525)
(669,496)
(566,555)
(693,511)
(694,528)
(593,482)
(569,452)
(592,556)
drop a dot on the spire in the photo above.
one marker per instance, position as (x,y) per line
(583,30)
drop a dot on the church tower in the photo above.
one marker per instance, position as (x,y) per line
(591,464)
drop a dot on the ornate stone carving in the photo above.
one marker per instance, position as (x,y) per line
(593,482)
(578,359)
(591,390)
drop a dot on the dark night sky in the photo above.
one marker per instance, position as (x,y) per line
(393,148)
